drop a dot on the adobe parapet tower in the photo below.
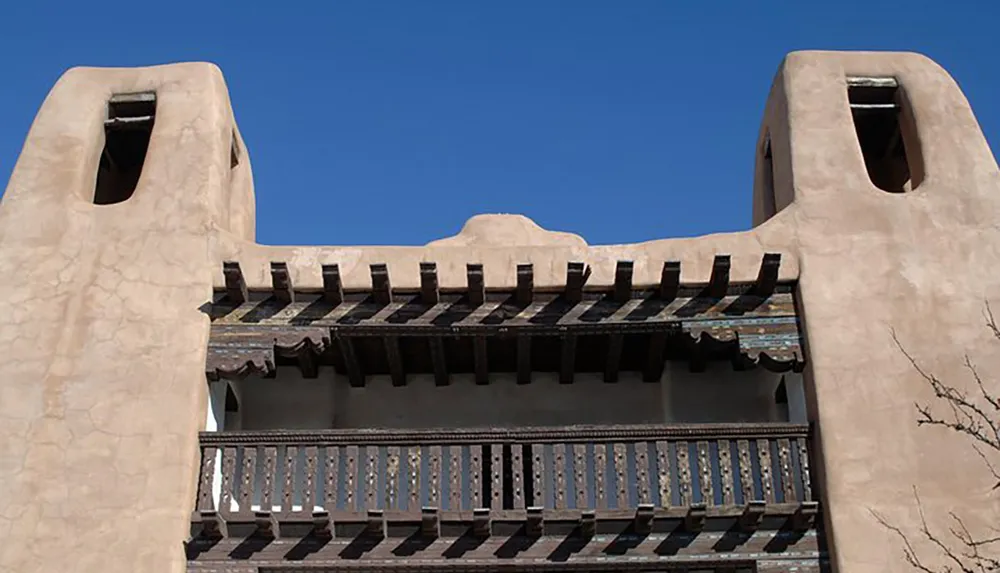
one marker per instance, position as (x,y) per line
(174,395)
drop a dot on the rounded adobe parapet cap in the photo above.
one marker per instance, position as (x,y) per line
(504,230)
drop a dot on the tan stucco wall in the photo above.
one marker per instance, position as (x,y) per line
(103,389)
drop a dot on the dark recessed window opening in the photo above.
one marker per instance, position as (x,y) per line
(126,139)
(767,166)
(877,110)
(234,152)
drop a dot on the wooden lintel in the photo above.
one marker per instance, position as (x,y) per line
(281,283)
(480,356)
(767,277)
(395,360)
(525,284)
(477,284)
(670,280)
(429,293)
(354,373)
(612,366)
(236,286)
(567,367)
(643,522)
(430,523)
(588,523)
(694,520)
(752,516)
(534,525)
(719,281)
(577,274)
(481,522)
(523,359)
(438,361)
(655,357)
(381,288)
(623,281)
(333,287)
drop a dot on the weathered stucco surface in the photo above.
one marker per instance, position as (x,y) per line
(102,391)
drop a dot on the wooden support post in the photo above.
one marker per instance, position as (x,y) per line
(481,522)
(333,288)
(694,521)
(588,523)
(576,276)
(322,526)
(264,523)
(670,280)
(654,358)
(354,373)
(429,294)
(534,525)
(525,284)
(623,281)
(381,287)
(805,516)
(438,361)
(719,281)
(236,286)
(213,526)
(395,360)
(612,366)
(281,283)
(480,356)
(523,359)
(644,519)
(376,526)
(477,284)
(430,523)
(753,514)
(567,367)
(767,277)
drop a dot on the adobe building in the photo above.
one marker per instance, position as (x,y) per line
(176,397)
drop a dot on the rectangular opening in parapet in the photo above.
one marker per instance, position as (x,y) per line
(770,204)
(234,152)
(877,109)
(127,129)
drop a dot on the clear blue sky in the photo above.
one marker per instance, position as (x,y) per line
(393,122)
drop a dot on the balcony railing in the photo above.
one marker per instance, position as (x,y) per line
(559,470)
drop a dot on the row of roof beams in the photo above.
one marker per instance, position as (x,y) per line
(577,274)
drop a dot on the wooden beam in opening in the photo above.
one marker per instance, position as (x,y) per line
(612,366)
(481,360)
(523,359)
(576,276)
(670,280)
(767,277)
(381,288)
(439,361)
(333,287)
(281,283)
(567,367)
(525,284)
(236,286)
(654,358)
(430,523)
(429,294)
(355,375)
(477,284)
(719,281)
(623,281)
(395,361)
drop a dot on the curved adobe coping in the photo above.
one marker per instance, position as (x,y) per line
(500,243)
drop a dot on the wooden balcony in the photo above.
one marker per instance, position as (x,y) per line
(528,481)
